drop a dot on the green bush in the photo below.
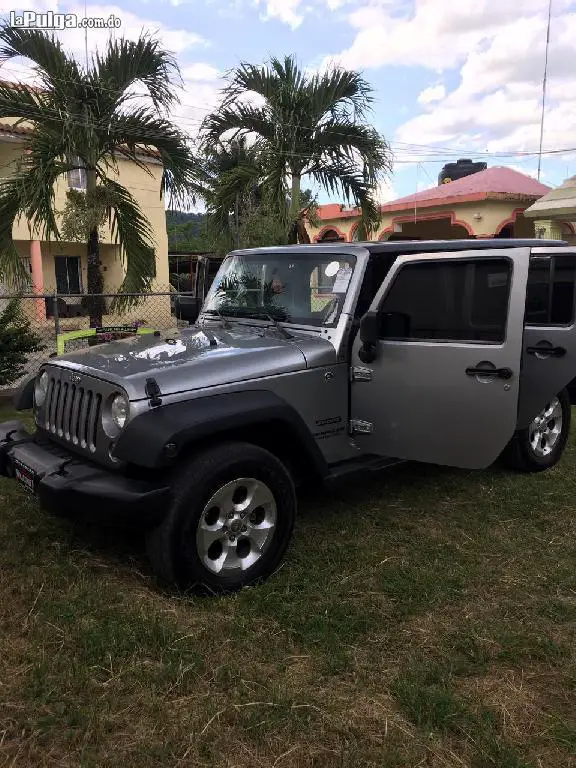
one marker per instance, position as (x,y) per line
(17,341)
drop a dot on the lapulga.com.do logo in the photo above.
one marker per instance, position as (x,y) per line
(60,21)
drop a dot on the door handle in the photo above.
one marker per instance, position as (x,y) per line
(546,351)
(497,373)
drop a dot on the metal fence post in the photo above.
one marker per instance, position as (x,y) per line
(56,315)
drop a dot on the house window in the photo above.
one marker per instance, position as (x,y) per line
(449,301)
(68,275)
(550,291)
(77,176)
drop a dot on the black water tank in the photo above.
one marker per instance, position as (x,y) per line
(459,169)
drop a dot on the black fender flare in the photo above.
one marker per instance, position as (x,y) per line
(23,398)
(156,438)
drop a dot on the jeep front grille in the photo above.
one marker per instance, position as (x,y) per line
(72,413)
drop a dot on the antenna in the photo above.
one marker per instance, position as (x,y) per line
(86,32)
(544,79)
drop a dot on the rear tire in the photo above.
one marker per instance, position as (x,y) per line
(229,523)
(541,445)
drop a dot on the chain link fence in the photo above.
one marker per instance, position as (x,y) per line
(62,321)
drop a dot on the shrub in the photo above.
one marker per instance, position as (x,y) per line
(17,341)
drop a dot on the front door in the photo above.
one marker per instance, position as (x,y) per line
(68,275)
(549,359)
(445,381)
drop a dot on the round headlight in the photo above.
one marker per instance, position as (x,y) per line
(119,411)
(41,389)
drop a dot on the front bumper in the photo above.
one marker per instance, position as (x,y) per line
(67,485)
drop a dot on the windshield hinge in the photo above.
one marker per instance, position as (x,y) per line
(361,373)
(360,427)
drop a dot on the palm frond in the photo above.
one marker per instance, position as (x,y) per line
(239,119)
(348,182)
(345,137)
(129,134)
(11,266)
(339,90)
(21,101)
(127,63)
(134,234)
(56,71)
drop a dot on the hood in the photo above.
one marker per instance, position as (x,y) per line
(194,358)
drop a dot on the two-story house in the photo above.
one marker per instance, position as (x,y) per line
(62,266)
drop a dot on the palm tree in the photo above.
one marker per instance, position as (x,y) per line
(89,117)
(232,188)
(305,126)
(237,204)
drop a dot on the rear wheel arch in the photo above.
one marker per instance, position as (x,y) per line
(520,453)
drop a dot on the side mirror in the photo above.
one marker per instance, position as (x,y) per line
(368,337)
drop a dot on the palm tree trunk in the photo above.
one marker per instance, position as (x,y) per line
(95,281)
(294,208)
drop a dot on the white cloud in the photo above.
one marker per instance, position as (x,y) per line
(287,11)
(385,192)
(439,34)
(432,94)
(498,50)
(200,71)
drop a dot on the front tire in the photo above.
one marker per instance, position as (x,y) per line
(230,521)
(542,444)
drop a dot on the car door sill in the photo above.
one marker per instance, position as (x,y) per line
(358,465)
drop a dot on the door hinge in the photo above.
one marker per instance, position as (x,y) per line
(361,373)
(359,427)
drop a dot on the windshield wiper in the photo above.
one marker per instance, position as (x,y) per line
(225,321)
(277,325)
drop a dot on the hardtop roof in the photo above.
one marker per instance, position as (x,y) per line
(428,246)
(411,246)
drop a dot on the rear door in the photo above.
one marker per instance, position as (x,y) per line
(549,355)
(444,385)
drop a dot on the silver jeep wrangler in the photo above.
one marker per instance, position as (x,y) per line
(305,362)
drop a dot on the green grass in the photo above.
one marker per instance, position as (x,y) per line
(424,618)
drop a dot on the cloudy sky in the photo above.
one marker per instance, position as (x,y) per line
(452,78)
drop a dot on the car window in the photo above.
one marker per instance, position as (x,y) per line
(448,300)
(550,291)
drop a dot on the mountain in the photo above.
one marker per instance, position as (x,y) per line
(186,231)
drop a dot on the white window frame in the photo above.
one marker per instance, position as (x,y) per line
(77,177)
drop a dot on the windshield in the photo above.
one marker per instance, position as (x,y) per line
(301,288)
